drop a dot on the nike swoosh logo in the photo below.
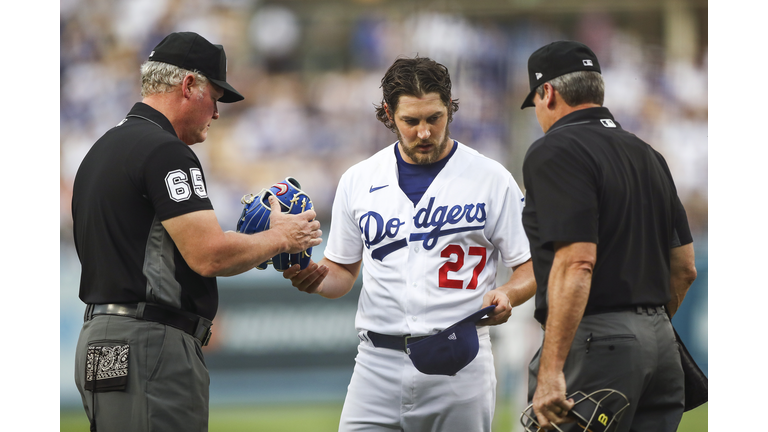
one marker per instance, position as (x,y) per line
(374,189)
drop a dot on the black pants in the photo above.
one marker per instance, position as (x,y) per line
(634,353)
(167,388)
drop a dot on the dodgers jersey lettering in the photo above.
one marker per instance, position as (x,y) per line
(429,265)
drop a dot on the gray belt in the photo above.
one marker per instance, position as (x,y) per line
(649,310)
(195,325)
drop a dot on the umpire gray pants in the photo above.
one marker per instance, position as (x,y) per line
(167,388)
(634,353)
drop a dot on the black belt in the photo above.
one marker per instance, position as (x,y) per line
(197,326)
(399,343)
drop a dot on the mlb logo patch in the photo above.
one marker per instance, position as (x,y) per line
(587,62)
(608,123)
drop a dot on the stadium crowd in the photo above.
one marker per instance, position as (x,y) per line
(310,83)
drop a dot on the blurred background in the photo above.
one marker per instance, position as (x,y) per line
(310,72)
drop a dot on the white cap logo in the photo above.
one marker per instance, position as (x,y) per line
(152,53)
(587,62)
(538,75)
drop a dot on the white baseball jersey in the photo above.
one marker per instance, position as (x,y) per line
(426,266)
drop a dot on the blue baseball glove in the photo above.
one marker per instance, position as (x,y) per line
(255,218)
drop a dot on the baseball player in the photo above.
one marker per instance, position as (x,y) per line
(151,247)
(429,220)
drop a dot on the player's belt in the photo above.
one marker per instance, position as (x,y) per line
(195,325)
(399,343)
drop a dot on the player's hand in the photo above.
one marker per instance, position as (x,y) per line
(300,232)
(501,313)
(308,280)
(549,402)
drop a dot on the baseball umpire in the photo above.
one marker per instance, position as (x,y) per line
(612,250)
(429,220)
(150,247)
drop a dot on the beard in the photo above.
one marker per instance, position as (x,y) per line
(421,158)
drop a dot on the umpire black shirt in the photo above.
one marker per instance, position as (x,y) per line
(588,180)
(135,176)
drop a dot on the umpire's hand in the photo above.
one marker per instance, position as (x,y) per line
(549,402)
(299,232)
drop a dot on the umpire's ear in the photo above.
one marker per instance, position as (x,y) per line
(187,84)
(549,95)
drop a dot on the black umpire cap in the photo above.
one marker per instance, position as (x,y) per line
(193,52)
(557,59)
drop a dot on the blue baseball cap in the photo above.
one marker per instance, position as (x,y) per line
(449,351)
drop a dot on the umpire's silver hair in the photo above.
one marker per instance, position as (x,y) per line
(159,77)
(578,88)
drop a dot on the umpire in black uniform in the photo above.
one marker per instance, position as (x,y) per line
(150,247)
(612,251)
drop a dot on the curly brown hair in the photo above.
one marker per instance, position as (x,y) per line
(414,77)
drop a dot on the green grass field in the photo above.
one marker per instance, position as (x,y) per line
(325,418)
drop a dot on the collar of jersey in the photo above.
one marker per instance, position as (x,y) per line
(147,113)
(581,116)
